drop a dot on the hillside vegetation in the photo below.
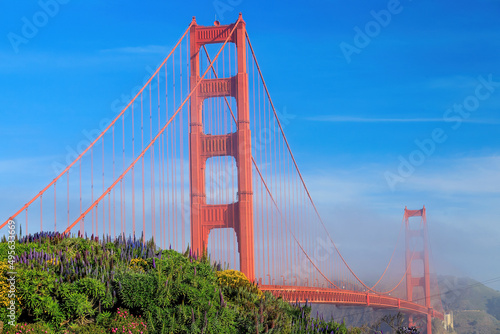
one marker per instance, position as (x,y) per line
(81,285)
(476,307)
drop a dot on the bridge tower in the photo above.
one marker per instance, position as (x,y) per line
(238,215)
(418,255)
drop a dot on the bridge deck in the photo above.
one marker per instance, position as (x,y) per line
(347,297)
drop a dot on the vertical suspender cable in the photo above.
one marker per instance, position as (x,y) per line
(181,149)
(81,223)
(114,197)
(103,213)
(124,186)
(55,211)
(109,215)
(169,220)
(101,134)
(152,156)
(41,213)
(67,190)
(188,85)
(142,174)
(133,173)
(92,183)
(165,152)
(160,184)
(174,156)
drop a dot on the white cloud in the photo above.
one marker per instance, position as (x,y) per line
(347,119)
(340,186)
(467,176)
(147,49)
(461,196)
(24,165)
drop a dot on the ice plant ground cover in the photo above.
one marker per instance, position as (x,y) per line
(91,285)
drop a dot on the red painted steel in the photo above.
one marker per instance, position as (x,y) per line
(423,255)
(141,155)
(278,212)
(239,215)
(346,297)
(110,125)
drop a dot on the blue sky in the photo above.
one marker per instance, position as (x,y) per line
(357,103)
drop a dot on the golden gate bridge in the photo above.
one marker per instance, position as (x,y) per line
(199,158)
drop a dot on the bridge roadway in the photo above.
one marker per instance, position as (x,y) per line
(348,298)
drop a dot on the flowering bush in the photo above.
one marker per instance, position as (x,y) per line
(236,279)
(4,287)
(22,328)
(83,285)
(4,294)
(138,265)
(124,322)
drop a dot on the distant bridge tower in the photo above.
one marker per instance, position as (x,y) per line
(418,255)
(238,215)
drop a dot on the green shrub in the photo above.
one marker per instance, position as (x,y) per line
(104,319)
(137,291)
(36,290)
(176,294)
(77,285)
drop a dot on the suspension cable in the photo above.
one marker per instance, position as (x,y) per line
(267,188)
(297,168)
(101,134)
(157,135)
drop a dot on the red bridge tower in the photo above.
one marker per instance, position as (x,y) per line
(422,255)
(238,215)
